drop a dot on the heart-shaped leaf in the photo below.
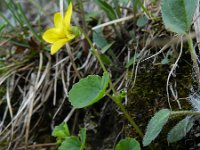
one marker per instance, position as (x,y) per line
(61,131)
(88,90)
(128,144)
(177,14)
(70,143)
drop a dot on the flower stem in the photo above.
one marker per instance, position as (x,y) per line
(183,113)
(128,117)
(119,104)
(95,52)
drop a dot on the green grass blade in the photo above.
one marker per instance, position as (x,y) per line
(107,9)
(25,19)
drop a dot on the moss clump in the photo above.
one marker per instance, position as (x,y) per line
(149,95)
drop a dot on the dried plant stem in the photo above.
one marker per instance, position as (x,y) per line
(113,22)
(71,57)
(39,146)
(172,71)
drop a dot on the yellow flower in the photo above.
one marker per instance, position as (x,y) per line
(62,32)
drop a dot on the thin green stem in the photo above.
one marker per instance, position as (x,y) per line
(82,15)
(183,113)
(25,19)
(128,117)
(8,22)
(95,52)
(119,104)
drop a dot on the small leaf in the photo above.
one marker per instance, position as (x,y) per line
(177,14)
(142,21)
(99,39)
(90,16)
(106,48)
(155,125)
(82,135)
(105,59)
(180,130)
(128,144)
(119,96)
(88,90)
(76,31)
(107,9)
(165,61)
(61,131)
(70,143)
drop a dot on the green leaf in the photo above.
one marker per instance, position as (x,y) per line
(70,143)
(177,14)
(142,21)
(82,135)
(107,47)
(76,31)
(88,90)
(107,9)
(2,26)
(128,144)
(165,61)
(155,125)
(119,96)
(89,16)
(180,130)
(105,59)
(99,39)
(61,131)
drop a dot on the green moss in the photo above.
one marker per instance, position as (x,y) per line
(149,95)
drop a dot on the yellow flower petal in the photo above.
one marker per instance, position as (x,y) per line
(69,34)
(52,35)
(67,17)
(58,20)
(57,45)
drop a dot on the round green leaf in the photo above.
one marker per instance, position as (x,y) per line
(142,21)
(155,125)
(61,131)
(88,90)
(177,14)
(70,143)
(128,144)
